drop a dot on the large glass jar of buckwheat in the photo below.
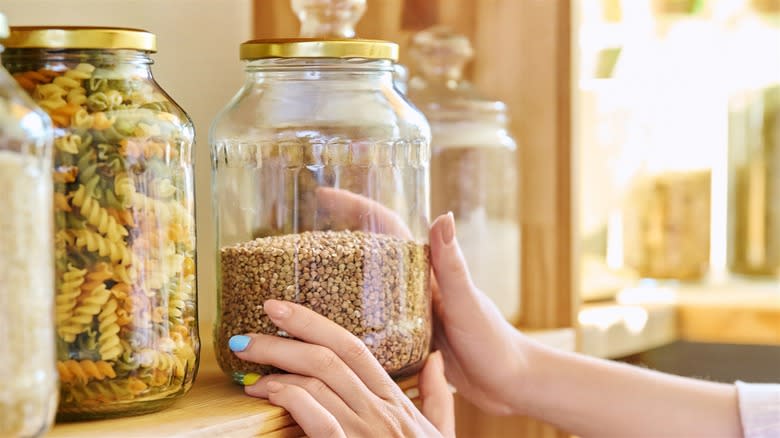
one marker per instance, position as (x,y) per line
(320,176)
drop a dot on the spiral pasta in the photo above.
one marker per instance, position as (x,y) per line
(179,295)
(86,309)
(124,274)
(72,371)
(124,189)
(94,242)
(98,275)
(96,392)
(125,232)
(108,341)
(100,121)
(68,143)
(69,290)
(31,79)
(62,203)
(162,361)
(163,188)
(77,96)
(81,119)
(98,216)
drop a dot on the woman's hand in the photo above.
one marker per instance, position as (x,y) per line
(485,357)
(337,388)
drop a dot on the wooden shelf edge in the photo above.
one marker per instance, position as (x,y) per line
(615,330)
(218,407)
(738,312)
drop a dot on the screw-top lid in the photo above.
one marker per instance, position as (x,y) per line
(3,26)
(80,37)
(319,48)
(328,18)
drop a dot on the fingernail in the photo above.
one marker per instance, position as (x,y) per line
(274,386)
(250,379)
(239,342)
(448,229)
(277,309)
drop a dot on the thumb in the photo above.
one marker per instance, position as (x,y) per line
(438,405)
(457,295)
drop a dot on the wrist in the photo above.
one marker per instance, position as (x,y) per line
(530,374)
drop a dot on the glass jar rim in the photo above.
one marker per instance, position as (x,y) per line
(318,48)
(457,108)
(80,37)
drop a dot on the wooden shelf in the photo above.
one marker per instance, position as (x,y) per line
(616,330)
(749,314)
(218,407)
(734,312)
(214,407)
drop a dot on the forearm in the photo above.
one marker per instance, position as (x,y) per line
(598,398)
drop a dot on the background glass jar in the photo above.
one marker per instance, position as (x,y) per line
(674,145)
(754,145)
(28,376)
(320,173)
(124,213)
(473,164)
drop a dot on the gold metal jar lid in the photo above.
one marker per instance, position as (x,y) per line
(319,48)
(80,37)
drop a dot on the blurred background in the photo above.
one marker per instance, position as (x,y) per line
(648,139)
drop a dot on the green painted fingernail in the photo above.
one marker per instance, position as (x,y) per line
(250,379)
(238,377)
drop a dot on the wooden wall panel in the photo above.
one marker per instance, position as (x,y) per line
(523,57)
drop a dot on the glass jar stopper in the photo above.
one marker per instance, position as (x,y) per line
(328,18)
(440,54)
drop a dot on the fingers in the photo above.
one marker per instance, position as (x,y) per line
(309,360)
(309,326)
(321,393)
(312,417)
(438,405)
(358,212)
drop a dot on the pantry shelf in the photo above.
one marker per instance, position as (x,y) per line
(217,407)
(735,312)
(214,407)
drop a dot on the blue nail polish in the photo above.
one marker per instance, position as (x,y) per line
(239,342)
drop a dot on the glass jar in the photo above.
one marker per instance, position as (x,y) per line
(124,219)
(320,184)
(28,376)
(676,146)
(337,19)
(754,146)
(473,165)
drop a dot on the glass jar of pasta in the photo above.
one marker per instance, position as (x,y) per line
(320,176)
(473,164)
(126,318)
(675,141)
(754,145)
(28,376)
